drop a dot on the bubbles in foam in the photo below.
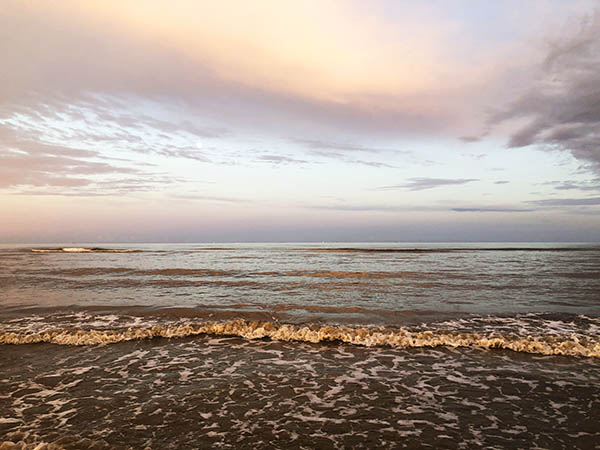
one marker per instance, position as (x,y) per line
(552,344)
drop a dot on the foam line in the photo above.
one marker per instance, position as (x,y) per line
(364,336)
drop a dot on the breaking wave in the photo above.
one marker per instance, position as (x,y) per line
(572,345)
(83,250)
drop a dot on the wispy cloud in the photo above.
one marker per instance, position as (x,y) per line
(95,188)
(298,64)
(589,201)
(104,124)
(421,208)
(475,156)
(114,99)
(359,208)
(31,163)
(578,185)
(345,147)
(492,209)
(469,139)
(342,151)
(28,162)
(419,183)
(212,198)
(376,164)
(280,159)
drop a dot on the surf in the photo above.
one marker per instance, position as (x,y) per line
(367,336)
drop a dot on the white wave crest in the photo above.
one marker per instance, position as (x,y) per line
(364,336)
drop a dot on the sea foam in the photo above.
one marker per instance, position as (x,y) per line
(362,336)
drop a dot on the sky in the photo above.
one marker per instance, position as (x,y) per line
(323,120)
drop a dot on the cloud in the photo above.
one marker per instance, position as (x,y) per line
(501,182)
(212,198)
(339,151)
(43,170)
(105,124)
(578,185)
(589,201)
(422,208)
(289,67)
(475,156)
(561,109)
(491,209)
(29,164)
(345,147)
(280,159)
(419,183)
(370,163)
(90,188)
(468,139)
(359,208)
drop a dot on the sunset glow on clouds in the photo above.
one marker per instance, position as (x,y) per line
(271,120)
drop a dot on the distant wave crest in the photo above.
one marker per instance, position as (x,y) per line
(363,336)
(83,250)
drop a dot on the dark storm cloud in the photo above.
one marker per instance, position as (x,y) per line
(419,183)
(562,109)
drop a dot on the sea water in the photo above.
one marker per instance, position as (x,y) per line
(300,345)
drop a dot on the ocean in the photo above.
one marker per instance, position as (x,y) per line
(333,345)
